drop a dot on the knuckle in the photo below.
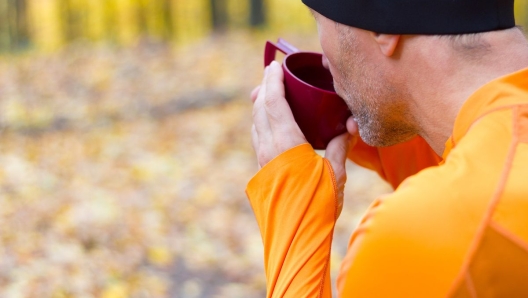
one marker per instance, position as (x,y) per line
(274,116)
(270,102)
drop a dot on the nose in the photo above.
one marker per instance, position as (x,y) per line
(325,62)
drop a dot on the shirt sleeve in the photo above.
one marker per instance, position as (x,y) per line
(295,203)
(395,163)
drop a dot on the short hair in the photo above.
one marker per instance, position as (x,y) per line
(467,43)
(472,42)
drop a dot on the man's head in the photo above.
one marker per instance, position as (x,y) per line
(360,64)
(372,71)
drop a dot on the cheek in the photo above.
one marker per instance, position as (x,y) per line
(331,62)
(346,91)
(343,79)
(331,65)
(327,40)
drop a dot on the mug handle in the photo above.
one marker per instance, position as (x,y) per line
(271,49)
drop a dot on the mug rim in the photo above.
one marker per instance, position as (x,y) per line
(301,81)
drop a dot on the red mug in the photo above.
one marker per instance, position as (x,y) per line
(320,113)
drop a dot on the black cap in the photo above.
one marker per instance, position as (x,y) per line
(419,16)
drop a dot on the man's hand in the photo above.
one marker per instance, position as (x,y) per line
(275,130)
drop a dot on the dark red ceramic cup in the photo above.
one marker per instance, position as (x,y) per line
(320,113)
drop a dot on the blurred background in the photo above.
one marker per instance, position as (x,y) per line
(125,146)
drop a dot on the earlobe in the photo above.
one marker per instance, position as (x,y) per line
(387,43)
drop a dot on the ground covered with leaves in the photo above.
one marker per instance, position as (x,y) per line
(123,170)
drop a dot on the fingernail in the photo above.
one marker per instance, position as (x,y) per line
(274,63)
(266,70)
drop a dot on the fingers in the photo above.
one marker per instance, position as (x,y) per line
(336,152)
(277,108)
(286,132)
(275,129)
(254,138)
(260,117)
(352,126)
(255,142)
(273,81)
(254,93)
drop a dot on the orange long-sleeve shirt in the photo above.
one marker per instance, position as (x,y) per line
(456,227)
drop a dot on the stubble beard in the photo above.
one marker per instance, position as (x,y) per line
(375,103)
(379,121)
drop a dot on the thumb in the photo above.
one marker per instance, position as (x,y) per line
(336,153)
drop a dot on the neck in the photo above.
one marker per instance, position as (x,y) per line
(447,78)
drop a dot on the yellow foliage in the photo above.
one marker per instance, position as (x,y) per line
(159,255)
(238,12)
(116,290)
(127,20)
(155,18)
(180,20)
(521,7)
(96,20)
(191,19)
(45,20)
(205,196)
(289,15)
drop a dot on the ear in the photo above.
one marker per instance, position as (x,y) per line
(387,42)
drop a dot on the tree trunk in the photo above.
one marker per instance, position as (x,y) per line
(5,42)
(22,39)
(257,14)
(167,19)
(219,14)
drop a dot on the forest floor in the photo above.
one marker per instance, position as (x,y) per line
(123,170)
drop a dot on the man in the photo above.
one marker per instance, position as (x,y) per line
(439,96)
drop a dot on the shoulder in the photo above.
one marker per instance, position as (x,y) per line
(418,238)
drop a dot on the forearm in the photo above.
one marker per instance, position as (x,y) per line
(295,203)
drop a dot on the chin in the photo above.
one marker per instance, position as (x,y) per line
(376,142)
(376,137)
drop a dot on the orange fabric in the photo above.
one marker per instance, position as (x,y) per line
(492,276)
(454,229)
(394,164)
(523,125)
(296,221)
